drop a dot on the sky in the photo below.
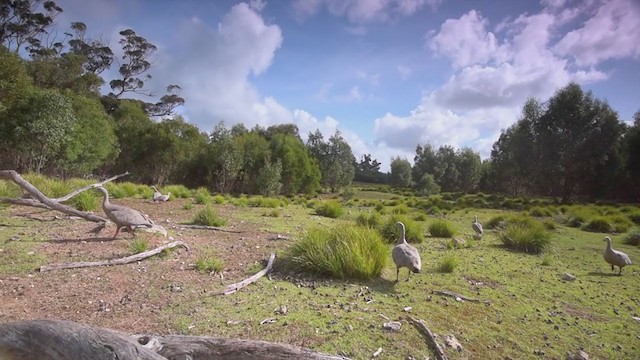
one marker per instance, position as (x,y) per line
(388,74)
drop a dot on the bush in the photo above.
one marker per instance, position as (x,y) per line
(330,209)
(441,228)
(342,252)
(528,236)
(448,263)
(632,237)
(209,263)
(138,245)
(371,221)
(391,233)
(202,196)
(208,217)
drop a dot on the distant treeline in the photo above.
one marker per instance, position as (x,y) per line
(55,121)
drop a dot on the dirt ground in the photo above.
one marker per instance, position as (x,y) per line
(128,297)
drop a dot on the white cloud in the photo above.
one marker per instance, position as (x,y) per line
(361,11)
(404,71)
(373,79)
(354,95)
(612,33)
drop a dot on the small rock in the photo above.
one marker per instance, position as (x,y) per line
(233,322)
(538,352)
(31,252)
(268,321)
(14,238)
(392,325)
(378,352)
(568,277)
(282,310)
(578,355)
(452,342)
(407,309)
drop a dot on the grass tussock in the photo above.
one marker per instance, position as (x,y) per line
(9,189)
(546,260)
(448,263)
(138,245)
(219,199)
(273,213)
(345,251)
(202,196)
(632,237)
(208,263)
(391,233)
(539,211)
(330,209)
(441,228)
(177,191)
(85,201)
(372,221)
(208,217)
(264,202)
(527,236)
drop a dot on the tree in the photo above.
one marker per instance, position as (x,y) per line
(400,172)
(14,81)
(424,162)
(335,159)
(469,165)
(98,57)
(300,173)
(256,154)
(21,24)
(269,178)
(136,53)
(631,149)
(446,171)
(427,185)
(368,170)
(223,159)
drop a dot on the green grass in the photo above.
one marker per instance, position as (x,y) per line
(391,233)
(273,213)
(632,237)
(208,263)
(187,206)
(86,201)
(219,199)
(546,260)
(202,196)
(441,228)
(178,191)
(208,217)
(345,251)
(264,202)
(9,189)
(448,263)
(330,209)
(138,245)
(372,220)
(527,236)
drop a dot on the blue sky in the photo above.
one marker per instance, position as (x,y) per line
(389,74)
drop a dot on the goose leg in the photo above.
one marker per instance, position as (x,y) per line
(132,233)
(397,273)
(116,234)
(408,274)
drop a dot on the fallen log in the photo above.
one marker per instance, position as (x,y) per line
(67,340)
(455,295)
(120,261)
(431,338)
(205,227)
(237,286)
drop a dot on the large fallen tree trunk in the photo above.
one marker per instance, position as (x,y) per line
(66,340)
(120,261)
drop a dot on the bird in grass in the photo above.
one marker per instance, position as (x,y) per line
(157,195)
(477,227)
(615,257)
(405,255)
(123,216)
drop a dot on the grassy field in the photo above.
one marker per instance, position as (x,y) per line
(526,310)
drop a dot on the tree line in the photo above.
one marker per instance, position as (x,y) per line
(54,120)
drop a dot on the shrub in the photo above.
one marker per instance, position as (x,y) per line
(219,199)
(632,237)
(202,196)
(342,252)
(138,245)
(373,220)
(526,236)
(208,217)
(634,216)
(178,191)
(441,228)
(85,201)
(620,223)
(448,263)
(209,263)
(391,233)
(330,209)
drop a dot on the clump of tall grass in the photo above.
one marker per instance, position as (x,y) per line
(208,217)
(202,196)
(272,213)
(85,201)
(345,251)
(420,217)
(400,209)
(116,191)
(208,262)
(498,221)
(634,216)
(391,233)
(546,260)
(219,199)
(138,245)
(178,191)
(265,202)
(372,220)
(441,228)
(606,224)
(538,211)
(528,236)
(9,189)
(130,188)
(632,237)
(448,263)
(330,209)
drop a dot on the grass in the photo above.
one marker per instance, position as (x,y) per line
(448,263)
(202,196)
(208,263)
(208,217)
(632,237)
(178,191)
(527,236)
(345,251)
(391,233)
(373,220)
(138,245)
(86,201)
(330,209)
(546,260)
(441,228)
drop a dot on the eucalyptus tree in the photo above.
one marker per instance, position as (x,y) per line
(335,158)
(400,172)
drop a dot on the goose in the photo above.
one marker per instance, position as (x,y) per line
(477,227)
(405,255)
(615,257)
(123,216)
(157,195)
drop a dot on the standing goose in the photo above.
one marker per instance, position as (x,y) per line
(157,195)
(123,216)
(477,227)
(405,255)
(615,257)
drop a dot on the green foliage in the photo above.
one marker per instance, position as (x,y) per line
(634,216)
(208,263)
(85,201)
(539,211)
(330,209)
(400,209)
(187,206)
(14,83)
(202,196)
(420,217)
(343,251)
(273,213)
(606,224)
(178,191)
(259,201)
(391,233)
(335,159)
(9,189)
(208,217)
(373,220)
(448,263)
(400,172)
(299,172)
(219,199)
(268,179)
(546,260)
(441,228)
(632,237)
(528,236)
(116,191)
(138,245)
(427,185)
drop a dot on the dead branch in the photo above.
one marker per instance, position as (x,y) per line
(59,339)
(237,286)
(204,227)
(120,261)
(76,192)
(454,295)
(431,339)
